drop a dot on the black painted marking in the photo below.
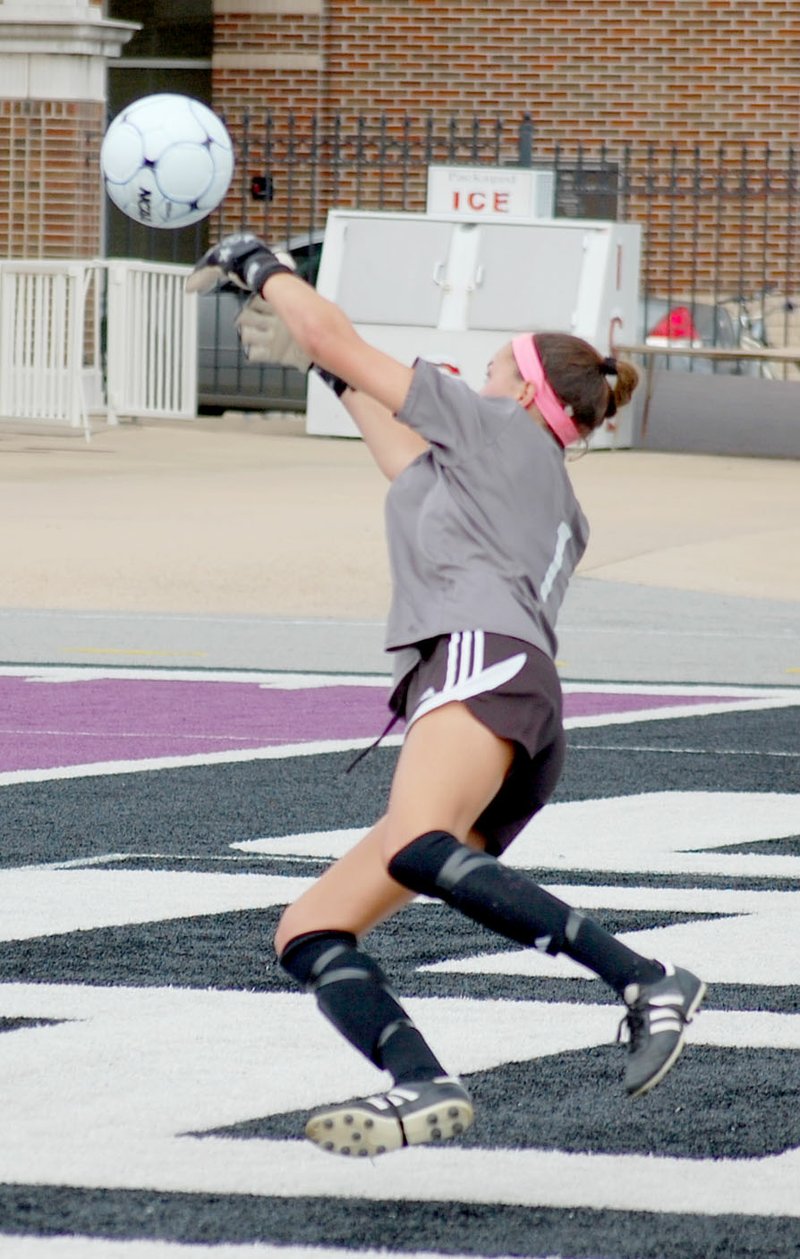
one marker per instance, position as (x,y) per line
(401,1227)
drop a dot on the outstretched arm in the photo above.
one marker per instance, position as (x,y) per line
(329,339)
(321,328)
(265,338)
(392,445)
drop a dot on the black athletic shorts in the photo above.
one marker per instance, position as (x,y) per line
(512,688)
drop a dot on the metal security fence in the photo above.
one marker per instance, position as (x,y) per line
(719,225)
(720,221)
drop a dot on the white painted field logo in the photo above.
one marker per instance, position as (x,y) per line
(151,1049)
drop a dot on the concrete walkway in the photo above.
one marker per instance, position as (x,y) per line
(243,542)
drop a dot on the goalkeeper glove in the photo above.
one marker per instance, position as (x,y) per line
(242,258)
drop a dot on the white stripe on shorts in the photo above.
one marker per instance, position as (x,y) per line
(465,674)
(452,660)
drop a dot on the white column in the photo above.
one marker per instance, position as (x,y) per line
(57,49)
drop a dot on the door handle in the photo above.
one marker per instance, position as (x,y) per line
(477,279)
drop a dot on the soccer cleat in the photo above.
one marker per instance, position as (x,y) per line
(408,1114)
(657,1017)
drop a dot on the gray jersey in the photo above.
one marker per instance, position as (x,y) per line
(484,529)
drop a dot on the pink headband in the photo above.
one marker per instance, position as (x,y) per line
(531,370)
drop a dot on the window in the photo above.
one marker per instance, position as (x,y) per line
(171,53)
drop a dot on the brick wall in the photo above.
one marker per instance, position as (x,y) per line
(645,75)
(269,64)
(694,70)
(50,192)
(699,72)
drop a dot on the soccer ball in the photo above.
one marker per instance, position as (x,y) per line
(167,160)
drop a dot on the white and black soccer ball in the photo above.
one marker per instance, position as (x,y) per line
(167,160)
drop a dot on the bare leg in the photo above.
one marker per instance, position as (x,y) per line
(450,768)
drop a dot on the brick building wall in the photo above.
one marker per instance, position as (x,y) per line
(348,100)
(52,116)
(666,88)
(696,71)
(268,59)
(50,195)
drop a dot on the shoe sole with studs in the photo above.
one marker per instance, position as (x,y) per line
(356,1132)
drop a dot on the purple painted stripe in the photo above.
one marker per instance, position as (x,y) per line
(111,719)
(46,725)
(607,703)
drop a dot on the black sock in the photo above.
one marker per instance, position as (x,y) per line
(510,903)
(600,951)
(353,993)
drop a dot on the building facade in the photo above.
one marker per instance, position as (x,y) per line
(696,71)
(682,115)
(345,101)
(53,59)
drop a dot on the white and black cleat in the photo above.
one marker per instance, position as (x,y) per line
(657,1017)
(420,1113)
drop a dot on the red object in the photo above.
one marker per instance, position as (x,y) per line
(678,325)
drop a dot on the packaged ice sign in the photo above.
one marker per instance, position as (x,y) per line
(491,192)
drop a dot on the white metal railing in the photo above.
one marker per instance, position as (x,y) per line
(42,308)
(96,338)
(152,341)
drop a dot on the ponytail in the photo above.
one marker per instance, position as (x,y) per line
(594,387)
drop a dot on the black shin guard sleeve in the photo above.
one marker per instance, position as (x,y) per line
(306,954)
(594,947)
(482,888)
(510,903)
(354,995)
